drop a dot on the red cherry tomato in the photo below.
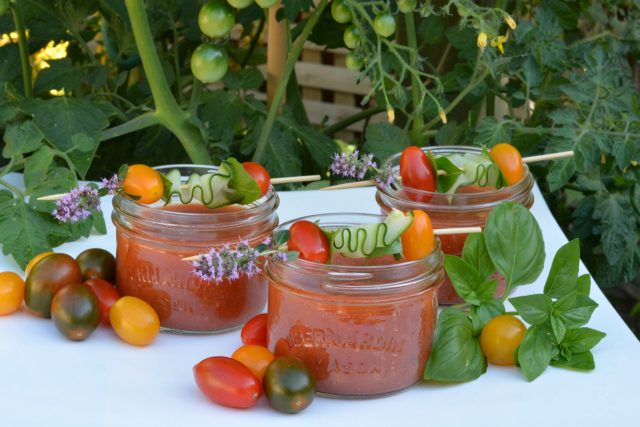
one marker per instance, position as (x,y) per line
(259,175)
(417,172)
(227,382)
(308,239)
(106,294)
(418,241)
(255,331)
(509,160)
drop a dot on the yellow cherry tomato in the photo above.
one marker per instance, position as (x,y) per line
(36,259)
(418,241)
(143,182)
(254,357)
(500,338)
(11,292)
(135,321)
(509,160)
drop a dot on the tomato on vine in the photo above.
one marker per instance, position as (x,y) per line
(418,241)
(354,61)
(384,24)
(308,239)
(509,160)
(340,12)
(240,4)
(352,37)
(500,339)
(416,172)
(216,18)
(407,6)
(209,63)
(259,174)
(143,182)
(266,4)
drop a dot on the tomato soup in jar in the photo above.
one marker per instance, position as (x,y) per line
(363,326)
(468,207)
(153,239)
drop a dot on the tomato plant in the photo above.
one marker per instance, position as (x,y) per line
(418,241)
(240,4)
(265,4)
(143,182)
(340,12)
(407,6)
(254,357)
(255,330)
(500,338)
(509,160)
(416,172)
(352,37)
(308,239)
(106,294)
(259,174)
(11,292)
(209,63)
(354,61)
(216,18)
(96,263)
(135,321)
(4,6)
(289,385)
(227,382)
(36,259)
(384,24)
(75,312)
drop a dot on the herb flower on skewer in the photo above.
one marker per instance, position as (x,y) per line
(357,166)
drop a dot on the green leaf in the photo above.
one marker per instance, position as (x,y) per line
(83,142)
(431,29)
(464,278)
(617,227)
(36,166)
(243,79)
(564,270)
(445,182)
(21,138)
(61,74)
(558,327)
(560,172)
(582,339)
(515,243)
(281,237)
(534,309)
(489,310)
(491,132)
(578,312)
(583,284)
(476,254)
(319,146)
(534,352)
(580,361)
(456,354)
(241,182)
(384,140)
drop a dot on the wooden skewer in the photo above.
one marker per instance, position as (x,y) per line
(274,181)
(545,157)
(437,232)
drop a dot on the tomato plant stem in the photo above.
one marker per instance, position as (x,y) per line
(417,120)
(13,189)
(292,57)
(342,124)
(137,123)
(16,10)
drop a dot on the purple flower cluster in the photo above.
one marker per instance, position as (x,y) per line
(384,176)
(352,165)
(77,204)
(227,263)
(112,184)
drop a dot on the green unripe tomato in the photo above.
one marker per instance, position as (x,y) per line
(354,61)
(209,63)
(240,4)
(340,12)
(352,37)
(266,4)
(4,6)
(216,18)
(406,6)
(384,24)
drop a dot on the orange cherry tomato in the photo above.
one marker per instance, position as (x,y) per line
(259,174)
(227,382)
(106,294)
(135,321)
(418,241)
(11,292)
(254,357)
(509,160)
(500,338)
(308,239)
(416,172)
(144,182)
(36,259)
(255,331)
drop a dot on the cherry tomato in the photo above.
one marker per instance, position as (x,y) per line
(418,241)
(509,160)
(106,294)
(354,61)
(406,6)
(255,331)
(75,312)
(240,4)
(36,259)
(289,385)
(340,12)
(417,172)
(216,18)
(266,4)
(384,24)
(500,338)
(11,292)
(135,321)
(96,263)
(259,175)
(143,182)
(227,382)
(308,239)
(352,37)
(254,357)
(46,278)
(209,63)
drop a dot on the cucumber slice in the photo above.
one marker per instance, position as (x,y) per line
(474,169)
(372,239)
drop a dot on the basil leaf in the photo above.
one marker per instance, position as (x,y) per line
(456,354)
(580,361)
(445,182)
(558,327)
(475,253)
(281,237)
(464,278)
(515,244)
(582,339)
(579,313)
(583,284)
(241,182)
(486,290)
(564,270)
(488,311)
(534,353)
(534,309)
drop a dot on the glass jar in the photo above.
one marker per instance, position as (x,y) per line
(470,207)
(363,326)
(153,239)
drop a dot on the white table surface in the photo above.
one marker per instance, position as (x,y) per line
(48,380)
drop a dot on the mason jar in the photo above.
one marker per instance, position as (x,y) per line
(153,239)
(363,326)
(469,207)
